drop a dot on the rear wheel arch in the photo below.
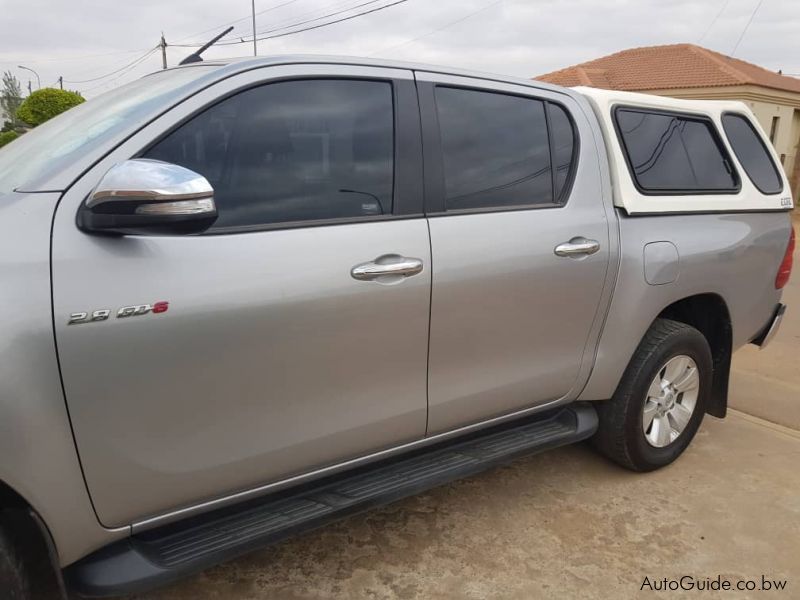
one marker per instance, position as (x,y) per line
(649,395)
(709,314)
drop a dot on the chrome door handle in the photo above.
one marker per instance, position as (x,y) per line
(577,246)
(387,265)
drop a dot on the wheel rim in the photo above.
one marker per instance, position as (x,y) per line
(671,400)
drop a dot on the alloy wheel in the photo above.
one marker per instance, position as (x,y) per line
(671,400)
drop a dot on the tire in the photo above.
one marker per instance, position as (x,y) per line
(669,349)
(13,580)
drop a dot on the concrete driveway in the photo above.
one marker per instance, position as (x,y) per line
(569,524)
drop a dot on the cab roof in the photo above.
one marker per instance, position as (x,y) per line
(239,64)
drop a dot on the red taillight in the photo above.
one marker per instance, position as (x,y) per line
(786,265)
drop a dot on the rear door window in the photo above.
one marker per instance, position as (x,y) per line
(495,149)
(674,154)
(752,153)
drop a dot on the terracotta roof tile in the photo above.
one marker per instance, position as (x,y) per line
(666,67)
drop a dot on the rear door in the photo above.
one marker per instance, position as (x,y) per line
(282,351)
(520,245)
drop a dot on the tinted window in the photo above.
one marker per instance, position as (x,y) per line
(563,140)
(495,149)
(293,151)
(752,153)
(671,153)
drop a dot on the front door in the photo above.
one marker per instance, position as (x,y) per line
(520,246)
(273,356)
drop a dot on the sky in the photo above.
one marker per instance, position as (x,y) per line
(97,45)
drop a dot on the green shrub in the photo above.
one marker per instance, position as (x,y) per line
(45,104)
(7,136)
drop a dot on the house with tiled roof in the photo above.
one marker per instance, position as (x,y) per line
(689,71)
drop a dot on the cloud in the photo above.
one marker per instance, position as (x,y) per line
(85,39)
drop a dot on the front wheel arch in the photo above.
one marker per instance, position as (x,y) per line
(31,538)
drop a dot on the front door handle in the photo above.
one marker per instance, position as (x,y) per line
(577,246)
(387,267)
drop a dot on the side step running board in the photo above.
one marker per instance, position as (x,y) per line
(160,556)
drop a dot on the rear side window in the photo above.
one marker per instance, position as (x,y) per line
(497,152)
(671,153)
(304,150)
(752,153)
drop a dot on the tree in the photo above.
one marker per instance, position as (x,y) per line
(43,105)
(10,97)
(7,136)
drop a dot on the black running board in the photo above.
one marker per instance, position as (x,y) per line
(160,556)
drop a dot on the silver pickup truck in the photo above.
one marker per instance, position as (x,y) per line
(245,298)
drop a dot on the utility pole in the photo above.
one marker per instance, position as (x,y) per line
(255,43)
(163,45)
(60,82)
(29,87)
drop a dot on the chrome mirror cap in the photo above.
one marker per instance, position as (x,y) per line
(142,179)
(149,196)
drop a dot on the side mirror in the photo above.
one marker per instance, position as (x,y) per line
(149,196)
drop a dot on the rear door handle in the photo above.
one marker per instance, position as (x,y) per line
(577,246)
(387,266)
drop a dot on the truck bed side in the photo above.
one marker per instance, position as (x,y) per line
(734,256)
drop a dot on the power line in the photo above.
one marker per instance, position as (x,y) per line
(333,14)
(121,71)
(279,25)
(218,27)
(130,64)
(338,12)
(59,81)
(714,21)
(361,14)
(347,18)
(121,74)
(292,21)
(107,83)
(292,25)
(746,27)
(438,29)
(127,70)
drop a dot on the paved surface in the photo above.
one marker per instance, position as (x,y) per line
(767,383)
(568,524)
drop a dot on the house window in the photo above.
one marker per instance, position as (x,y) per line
(773,129)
